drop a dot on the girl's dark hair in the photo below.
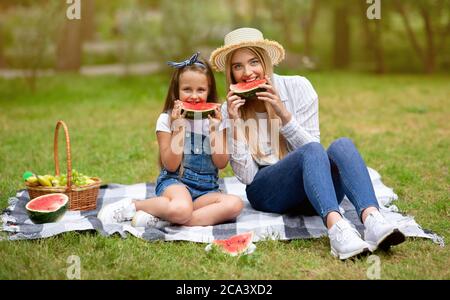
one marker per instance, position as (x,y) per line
(173,92)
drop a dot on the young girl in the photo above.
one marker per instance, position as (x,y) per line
(191,152)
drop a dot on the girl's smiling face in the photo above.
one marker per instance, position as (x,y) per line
(193,87)
(246,66)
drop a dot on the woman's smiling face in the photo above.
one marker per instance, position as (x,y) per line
(246,66)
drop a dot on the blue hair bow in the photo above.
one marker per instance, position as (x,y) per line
(187,62)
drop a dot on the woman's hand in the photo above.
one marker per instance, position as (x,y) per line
(234,102)
(271,96)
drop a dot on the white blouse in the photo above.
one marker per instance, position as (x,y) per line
(301,100)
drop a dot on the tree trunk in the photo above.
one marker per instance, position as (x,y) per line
(430,53)
(2,56)
(69,49)
(280,18)
(412,37)
(372,40)
(367,31)
(288,35)
(253,6)
(425,56)
(232,6)
(308,27)
(341,53)
(88,17)
(380,66)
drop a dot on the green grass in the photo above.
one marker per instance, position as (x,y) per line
(400,123)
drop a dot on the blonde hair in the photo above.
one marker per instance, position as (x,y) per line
(248,110)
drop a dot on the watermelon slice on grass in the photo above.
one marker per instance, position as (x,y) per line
(240,244)
(198,110)
(248,90)
(47,208)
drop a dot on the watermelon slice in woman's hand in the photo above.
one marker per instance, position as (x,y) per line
(248,90)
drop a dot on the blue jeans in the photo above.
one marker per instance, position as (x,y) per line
(197,184)
(312,181)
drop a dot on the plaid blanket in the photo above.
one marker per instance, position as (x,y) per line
(265,225)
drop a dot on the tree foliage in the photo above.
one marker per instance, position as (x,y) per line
(411,35)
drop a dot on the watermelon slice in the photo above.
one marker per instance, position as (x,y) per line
(47,208)
(247,90)
(235,245)
(200,110)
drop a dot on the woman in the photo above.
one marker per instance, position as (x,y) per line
(275,148)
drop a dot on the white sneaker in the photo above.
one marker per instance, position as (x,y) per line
(379,233)
(346,241)
(120,211)
(143,219)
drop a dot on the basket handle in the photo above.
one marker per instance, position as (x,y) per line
(55,151)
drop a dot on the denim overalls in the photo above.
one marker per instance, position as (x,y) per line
(200,175)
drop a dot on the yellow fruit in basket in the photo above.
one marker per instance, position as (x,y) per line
(49,177)
(90,181)
(44,181)
(32,181)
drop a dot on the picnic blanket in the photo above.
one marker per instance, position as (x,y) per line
(264,225)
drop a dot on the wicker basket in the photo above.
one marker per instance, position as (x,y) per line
(80,198)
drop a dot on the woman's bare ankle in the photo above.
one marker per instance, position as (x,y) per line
(367,211)
(332,218)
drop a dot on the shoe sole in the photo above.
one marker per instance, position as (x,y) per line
(345,256)
(394,238)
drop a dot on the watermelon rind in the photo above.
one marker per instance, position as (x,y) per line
(197,113)
(247,93)
(250,94)
(45,216)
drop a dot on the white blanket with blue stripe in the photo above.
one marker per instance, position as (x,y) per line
(265,225)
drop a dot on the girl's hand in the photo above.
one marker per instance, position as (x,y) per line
(271,96)
(176,113)
(234,102)
(215,121)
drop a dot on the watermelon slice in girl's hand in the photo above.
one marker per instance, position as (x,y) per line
(240,244)
(198,110)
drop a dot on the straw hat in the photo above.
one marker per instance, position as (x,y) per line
(245,37)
